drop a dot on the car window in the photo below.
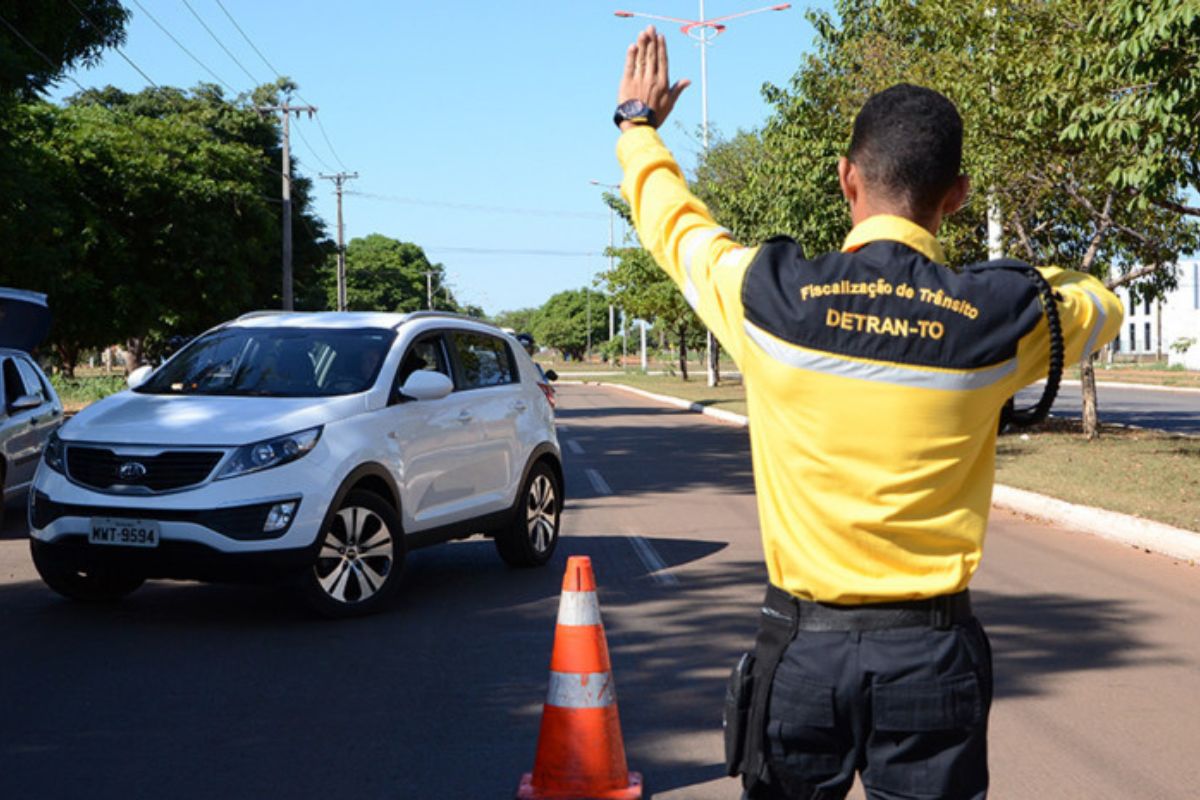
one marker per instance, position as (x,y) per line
(424,354)
(275,362)
(483,360)
(14,387)
(33,383)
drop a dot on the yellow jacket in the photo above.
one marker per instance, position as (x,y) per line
(874,379)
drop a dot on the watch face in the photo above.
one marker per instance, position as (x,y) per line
(634,109)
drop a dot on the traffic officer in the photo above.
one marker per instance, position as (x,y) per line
(874,379)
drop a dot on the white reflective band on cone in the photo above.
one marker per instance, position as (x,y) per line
(573,690)
(578,608)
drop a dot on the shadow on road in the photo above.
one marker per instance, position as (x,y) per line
(238,692)
(1037,637)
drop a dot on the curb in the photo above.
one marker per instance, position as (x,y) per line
(1150,387)
(1112,525)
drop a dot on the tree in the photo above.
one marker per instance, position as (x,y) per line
(145,215)
(58,33)
(384,274)
(1151,102)
(563,321)
(523,320)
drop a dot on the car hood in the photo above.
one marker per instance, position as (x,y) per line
(24,319)
(153,419)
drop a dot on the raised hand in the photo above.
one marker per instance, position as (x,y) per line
(646,76)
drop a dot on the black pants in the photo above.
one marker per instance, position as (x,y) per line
(905,707)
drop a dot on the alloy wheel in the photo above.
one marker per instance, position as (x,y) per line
(357,556)
(541,513)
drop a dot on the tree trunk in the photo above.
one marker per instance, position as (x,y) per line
(135,353)
(68,357)
(683,351)
(1087,375)
(714,360)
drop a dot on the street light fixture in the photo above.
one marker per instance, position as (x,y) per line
(704,31)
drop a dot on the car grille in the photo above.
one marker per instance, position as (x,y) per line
(101,468)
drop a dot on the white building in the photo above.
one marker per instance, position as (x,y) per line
(1152,327)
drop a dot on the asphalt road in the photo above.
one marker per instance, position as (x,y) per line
(191,691)
(1176,411)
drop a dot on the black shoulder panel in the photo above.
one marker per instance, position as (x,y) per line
(888,302)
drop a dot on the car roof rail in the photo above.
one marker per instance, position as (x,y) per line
(411,315)
(262,313)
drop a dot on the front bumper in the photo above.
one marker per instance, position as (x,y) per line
(176,560)
(222,516)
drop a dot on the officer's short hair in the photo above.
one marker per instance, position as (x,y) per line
(907,142)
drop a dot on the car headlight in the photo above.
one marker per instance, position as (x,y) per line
(52,453)
(270,453)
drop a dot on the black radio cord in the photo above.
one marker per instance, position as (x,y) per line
(1011,416)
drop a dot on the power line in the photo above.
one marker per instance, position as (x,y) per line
(325,135)
(299,96)
(247,38)
(490,251)
(220,44)
(525,212)
(179,44)
(45,57)
(313,151)
(120,52)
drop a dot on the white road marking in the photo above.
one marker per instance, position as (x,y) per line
(598,483)
(575,447)
(653,562)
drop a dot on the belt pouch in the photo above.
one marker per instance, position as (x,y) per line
(777,629)
(737,713)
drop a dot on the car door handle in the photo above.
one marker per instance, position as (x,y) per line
(464,416)
(520,405)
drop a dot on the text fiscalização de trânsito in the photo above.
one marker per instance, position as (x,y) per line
(881,288)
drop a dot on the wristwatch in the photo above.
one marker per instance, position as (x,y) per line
(634,111)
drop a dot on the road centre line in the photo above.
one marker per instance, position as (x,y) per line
(575,447)
(653,562)
(598,483)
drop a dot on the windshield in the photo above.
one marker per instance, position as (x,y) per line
(275,362)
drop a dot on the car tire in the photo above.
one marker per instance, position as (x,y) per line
(531,538)
(90,586)
(359,560)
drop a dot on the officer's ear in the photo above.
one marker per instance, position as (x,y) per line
(957,196)
(850,180)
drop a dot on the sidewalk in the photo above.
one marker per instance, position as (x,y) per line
(1141,533)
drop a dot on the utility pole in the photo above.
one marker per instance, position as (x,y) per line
(287,110)
(338,180)
(429,289)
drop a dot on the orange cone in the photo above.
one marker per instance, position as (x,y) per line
(580,754)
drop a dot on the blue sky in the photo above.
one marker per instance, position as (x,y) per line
(475,127)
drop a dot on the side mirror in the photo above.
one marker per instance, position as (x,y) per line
(25,402)
(426,385)
(551,375)
(138,376)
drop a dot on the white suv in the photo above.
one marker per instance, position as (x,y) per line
(321,446)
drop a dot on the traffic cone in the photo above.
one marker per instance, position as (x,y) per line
(580,754)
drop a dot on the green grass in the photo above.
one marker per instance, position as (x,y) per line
(1156,374)
(1145,473)
(729,395)
(77,392)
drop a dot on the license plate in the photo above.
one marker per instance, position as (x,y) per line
(124,532)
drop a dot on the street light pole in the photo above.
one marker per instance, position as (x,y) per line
(612,221)
(703,31)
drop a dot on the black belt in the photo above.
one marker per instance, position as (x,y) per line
(935,612)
